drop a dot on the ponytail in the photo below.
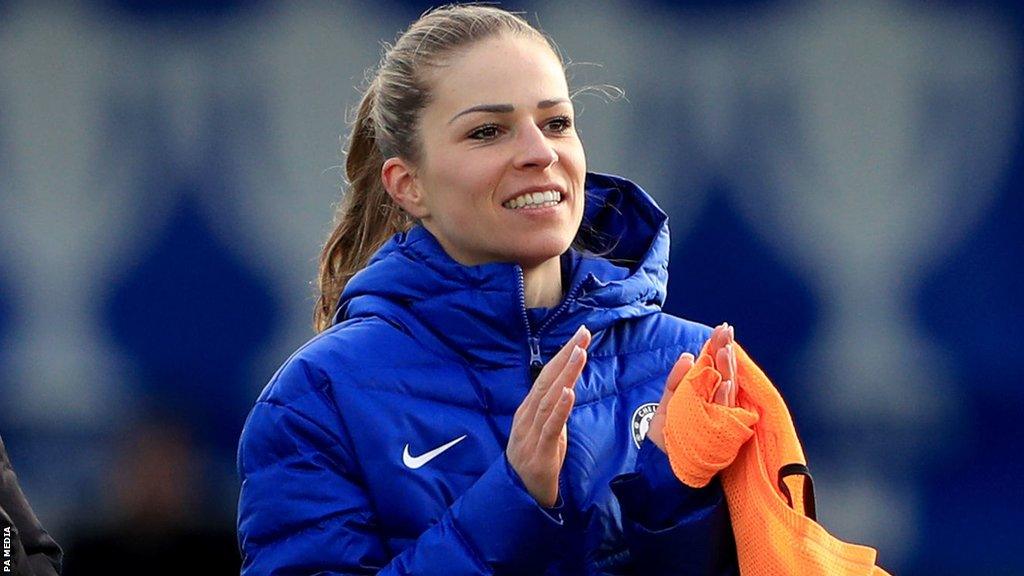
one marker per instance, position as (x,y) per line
(364,220)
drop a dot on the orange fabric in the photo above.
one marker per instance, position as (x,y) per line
(747,445)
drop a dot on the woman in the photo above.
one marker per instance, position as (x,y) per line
(421,431)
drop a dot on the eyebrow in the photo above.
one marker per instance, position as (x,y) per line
(506,108)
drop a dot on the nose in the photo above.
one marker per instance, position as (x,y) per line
(534,149)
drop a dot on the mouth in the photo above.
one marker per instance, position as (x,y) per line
(534,200)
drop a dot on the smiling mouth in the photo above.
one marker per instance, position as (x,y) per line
(534,200)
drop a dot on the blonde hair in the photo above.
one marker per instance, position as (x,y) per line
(386,126)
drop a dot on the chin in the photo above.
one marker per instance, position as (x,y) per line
(541,250)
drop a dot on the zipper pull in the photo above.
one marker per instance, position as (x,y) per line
(536,365)
(535,351)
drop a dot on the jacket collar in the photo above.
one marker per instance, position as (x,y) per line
(479,311)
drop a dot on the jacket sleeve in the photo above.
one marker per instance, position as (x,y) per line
(670,527)
(32,551)
(303,509)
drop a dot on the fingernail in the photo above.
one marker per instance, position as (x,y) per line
(565,396)
(576,353)
(578,336)
(732,333)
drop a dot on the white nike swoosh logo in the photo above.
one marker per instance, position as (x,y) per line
(414,462)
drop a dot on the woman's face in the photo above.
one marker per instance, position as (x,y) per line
(500,176)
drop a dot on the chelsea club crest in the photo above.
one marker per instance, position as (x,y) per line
(641,421)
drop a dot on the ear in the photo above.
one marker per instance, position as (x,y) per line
(399,178)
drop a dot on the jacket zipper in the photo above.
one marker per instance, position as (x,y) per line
(533,338)
(533,341)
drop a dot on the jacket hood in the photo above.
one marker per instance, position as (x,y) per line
(479,311)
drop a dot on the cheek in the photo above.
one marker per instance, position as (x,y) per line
(578,159)
(467,170)
(576,165)
(574,162)
(463,197)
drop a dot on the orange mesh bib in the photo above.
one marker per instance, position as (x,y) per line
(749,445)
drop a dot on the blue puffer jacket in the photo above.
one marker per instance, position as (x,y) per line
(379,446)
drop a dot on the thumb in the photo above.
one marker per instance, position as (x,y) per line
(682,366)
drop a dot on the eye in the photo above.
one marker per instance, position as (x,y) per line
(560,124)
(485,132)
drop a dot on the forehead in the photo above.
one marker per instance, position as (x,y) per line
(506,69)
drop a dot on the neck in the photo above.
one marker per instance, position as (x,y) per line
(543,284)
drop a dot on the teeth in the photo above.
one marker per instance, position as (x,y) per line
(535,199)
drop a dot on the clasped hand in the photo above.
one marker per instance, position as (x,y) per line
(720,348)
(538,440)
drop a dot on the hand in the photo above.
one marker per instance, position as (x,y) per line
(720,348)
(538,440)
(722,351)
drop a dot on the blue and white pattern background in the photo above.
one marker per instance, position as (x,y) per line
(846,177)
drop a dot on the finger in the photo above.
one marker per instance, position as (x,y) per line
(558,418)
(681,367)
(573,370)
(570,372)
(719,338)
(567,379)
(733,373)
(722,363)
(546,379)
(723,392)
(554,366)
(727,360)
(716,336)
(724,336)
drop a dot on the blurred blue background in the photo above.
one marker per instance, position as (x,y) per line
(845,182)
